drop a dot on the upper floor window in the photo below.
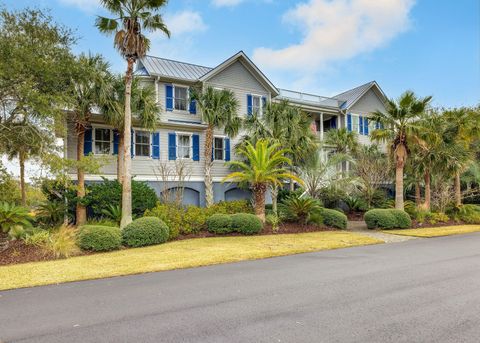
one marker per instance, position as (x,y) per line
(218,149)
(181,98)
(359,124)
(257,104)
(142,143)
(102,141)
(184,146)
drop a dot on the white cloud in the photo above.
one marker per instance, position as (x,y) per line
(226,3)
(336,30)
(185,22)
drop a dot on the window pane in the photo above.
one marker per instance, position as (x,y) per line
(102,134)
(181,98)
(142,137)
(218,143)
(184,146)
(102,141)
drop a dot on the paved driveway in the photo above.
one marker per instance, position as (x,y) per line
(417,291)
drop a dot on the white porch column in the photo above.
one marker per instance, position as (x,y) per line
(321,126)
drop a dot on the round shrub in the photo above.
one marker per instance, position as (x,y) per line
(246,223)
(99,238)
(334,218)
(220,224)
(387,219)
(145,231)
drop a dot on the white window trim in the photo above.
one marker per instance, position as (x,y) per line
(99,126)
(190,134)
(149,157)
(187,111)
(358,128)
(260,113)
(224,148)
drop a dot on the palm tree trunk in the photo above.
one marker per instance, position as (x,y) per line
(21,158)
(400,156)
(458,190)
(428,193)
(418,196)
(127,161)
(274,192)
(120,158)
(208,166)
(81,211)
(259,198)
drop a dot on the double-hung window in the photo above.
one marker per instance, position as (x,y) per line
(181,98)
(257,104)
(184,146)
(103,141)
(355,123)
(142,143)
(219,149)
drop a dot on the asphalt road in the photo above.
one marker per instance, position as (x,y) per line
(416,291)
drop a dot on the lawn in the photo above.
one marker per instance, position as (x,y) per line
(174,255)
(436,231)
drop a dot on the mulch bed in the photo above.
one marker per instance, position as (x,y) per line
(18,252)
(355,216)
(417,225)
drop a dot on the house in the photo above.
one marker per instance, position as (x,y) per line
(179,138)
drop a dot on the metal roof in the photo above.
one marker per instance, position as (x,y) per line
(350,96)
(156,66)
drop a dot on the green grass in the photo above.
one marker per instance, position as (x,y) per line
(436,231)
(174,255)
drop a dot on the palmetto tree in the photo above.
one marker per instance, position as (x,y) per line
(342,140)
(219,109)
(131,17)
(399,125)
(264,164)
(90,86)
(144,109)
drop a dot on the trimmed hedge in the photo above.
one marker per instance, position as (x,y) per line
(334,218)
(387,219)
(220,224)
(99,238)
(246,223)
(145,231)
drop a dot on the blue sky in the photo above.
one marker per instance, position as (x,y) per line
(317,46)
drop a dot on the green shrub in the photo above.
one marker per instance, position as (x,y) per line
(99,238)
(432,217)
(246,223)
(145,231)
(300,209)
(387,219)
(316,219)
(468,213)
(230,207)
(220,224)
(37,238)
(113,213)
(334,218)
(355,203)
(15,219)
(194,219)
(274,220)
(109,192)
(170,214)
(101,222)
(50,213)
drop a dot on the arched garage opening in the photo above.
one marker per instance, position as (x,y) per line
(237,194)
(189,197)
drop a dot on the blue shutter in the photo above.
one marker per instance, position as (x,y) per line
(172,147)
(87,142)
(249,104)
(196,147)
(156,145)
(169,97)
(360,119)
(264,102)
(116,135)
(227,149)
(365,126)
(349,122)
(333,122)
(193,107)
(132,144)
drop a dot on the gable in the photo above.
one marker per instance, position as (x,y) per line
(368,103)
(237,75)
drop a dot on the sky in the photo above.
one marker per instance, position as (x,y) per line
(316,46)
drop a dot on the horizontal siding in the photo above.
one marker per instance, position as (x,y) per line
(368,103)
(237,76)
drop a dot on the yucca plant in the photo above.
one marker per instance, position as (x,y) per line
(13,217)
(300,208)
(113,212)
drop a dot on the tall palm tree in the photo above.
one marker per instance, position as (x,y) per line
(398,127)
(264,165)
(90,86)
(144,109)
(219,109)
(131,16)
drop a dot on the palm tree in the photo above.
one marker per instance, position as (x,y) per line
(398,127)
(130,18)
(144,109)
(264,165)
(90,87)
(342,140)
(219,109)
(288,126)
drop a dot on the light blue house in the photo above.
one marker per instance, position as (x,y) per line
(178,142)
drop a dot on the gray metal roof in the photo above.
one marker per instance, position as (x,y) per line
(350,96)
(156,66)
